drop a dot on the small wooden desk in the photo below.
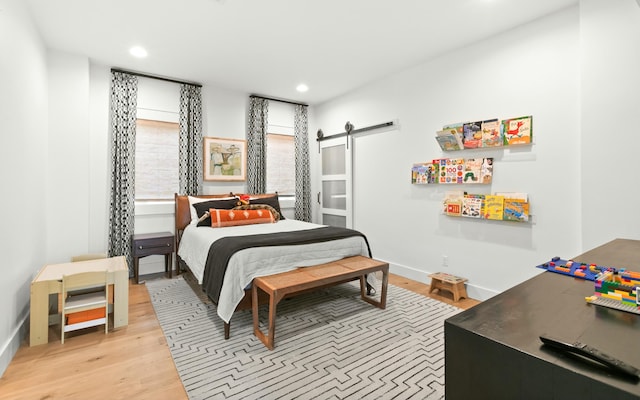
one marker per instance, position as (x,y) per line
(49,281)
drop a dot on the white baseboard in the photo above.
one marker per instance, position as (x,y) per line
(10,348)
(475,292)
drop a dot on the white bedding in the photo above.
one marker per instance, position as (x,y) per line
(250,263)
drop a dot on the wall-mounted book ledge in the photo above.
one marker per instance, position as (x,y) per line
(453,171)
(491,133)
(498,206)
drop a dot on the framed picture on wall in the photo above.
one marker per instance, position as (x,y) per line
(225,159)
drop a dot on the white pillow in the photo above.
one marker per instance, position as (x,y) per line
(193,200)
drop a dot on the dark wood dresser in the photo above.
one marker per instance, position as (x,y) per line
(493,350)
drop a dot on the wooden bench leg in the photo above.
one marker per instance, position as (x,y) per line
(273,303)
(383,294)
(274,299)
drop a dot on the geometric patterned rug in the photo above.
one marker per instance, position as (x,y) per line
(328,345)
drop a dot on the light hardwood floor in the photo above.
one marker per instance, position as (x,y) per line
(133,362)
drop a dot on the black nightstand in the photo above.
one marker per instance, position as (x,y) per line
(147,244)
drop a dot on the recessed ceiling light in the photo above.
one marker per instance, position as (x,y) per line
(302,87)
(138,51)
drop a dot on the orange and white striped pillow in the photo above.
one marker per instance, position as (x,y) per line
(222,218)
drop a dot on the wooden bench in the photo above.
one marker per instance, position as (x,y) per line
(303,279)
(450,283)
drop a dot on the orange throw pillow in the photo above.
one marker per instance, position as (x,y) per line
(222,218)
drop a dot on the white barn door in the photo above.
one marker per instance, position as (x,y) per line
(335,196)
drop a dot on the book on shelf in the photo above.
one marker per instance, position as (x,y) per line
(486,171)
(478,170)
(453,203)
(424,173)
(517,130)
(493,207)
(458,127)
(435,172)
(516,207)
(451,170)
(472,167)
(449,139)
(419,174)
(472,205)
(491,133)
(472,135)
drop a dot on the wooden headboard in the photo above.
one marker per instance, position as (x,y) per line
(183,211)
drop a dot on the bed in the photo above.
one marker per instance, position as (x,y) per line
(224,260)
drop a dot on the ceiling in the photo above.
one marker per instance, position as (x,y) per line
(268,47)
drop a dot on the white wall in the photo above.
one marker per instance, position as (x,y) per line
(68,170)
(610,85)
(23,170)
(98,166)
(533,69)
(225,116)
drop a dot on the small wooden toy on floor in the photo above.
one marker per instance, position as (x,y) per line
(450,283)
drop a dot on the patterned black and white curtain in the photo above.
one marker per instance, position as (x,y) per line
(124,95)
(257,145)
(190,142)
(303,179)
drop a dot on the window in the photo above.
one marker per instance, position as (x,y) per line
(281,170)
(156,160)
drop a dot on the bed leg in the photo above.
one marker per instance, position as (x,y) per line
(227,330)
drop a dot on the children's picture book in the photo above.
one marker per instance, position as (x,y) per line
(425,173)
(472,167)
(419,174)
(472,135)
(472,205)
(517,130)
(458,127)
(516,210)
(516,207)
(493,207)
(432,172)
(491,133)
(486,171)
(453,203)
(451,170)
(449,139)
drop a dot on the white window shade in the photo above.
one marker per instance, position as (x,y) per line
(156,160)
(281,172)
